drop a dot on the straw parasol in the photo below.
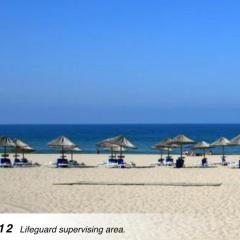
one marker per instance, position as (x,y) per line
(63,143)
(19,143)
(120,141)
(6,142)
(109,146)
(22,147)
(221,142)
(106,144)
(203,146)
(235,141)
(75,149)
(115,149)
(25,150)
(162,149)
(182,140)
(166,143)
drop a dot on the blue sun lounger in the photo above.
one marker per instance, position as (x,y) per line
(61,163)
(5,162)
(21,163)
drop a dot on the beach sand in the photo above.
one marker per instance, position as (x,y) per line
(213,211)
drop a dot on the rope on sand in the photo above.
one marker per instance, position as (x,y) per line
(164,184)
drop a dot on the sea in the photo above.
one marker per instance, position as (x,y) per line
(144,136)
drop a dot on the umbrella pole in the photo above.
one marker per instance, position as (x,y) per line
(120,151)
(168,152)
(72,155)
(111,152)
(161,153)
(204,152)
(62,153)
(23,155)
(5,151)
(181,148)
(223,154)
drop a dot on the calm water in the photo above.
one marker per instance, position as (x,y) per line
(144,136)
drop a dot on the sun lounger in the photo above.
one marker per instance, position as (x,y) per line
(234,164)
(22,163)
(159,162)
(118,163)
(163,162)
(222,162)
(5,162)
(61,163)
(17,162)
(64,163)
(168,161)
(75,164)
(114,163)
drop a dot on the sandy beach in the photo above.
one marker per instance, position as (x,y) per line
(32,190)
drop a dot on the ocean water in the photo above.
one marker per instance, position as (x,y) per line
(142,135)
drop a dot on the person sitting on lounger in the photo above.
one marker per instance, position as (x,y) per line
(224,162)
(160,161)
(204,162)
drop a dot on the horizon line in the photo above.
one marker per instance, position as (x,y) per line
(211,123)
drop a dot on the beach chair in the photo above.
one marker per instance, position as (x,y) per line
(17,162)
(222,162)
(23,163)
(111,160)
(234,164)
(61,163)
(5,162)
(26,162)
(118,163)
(75,164)
(163,162)
(64,163)
(159,162)
(168,161)
(122,164)
(112,163)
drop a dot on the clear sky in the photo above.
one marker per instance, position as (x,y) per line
(123,61)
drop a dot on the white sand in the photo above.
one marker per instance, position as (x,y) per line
(214,209)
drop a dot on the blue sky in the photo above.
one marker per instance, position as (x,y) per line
(165,61)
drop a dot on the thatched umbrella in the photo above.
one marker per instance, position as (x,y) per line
(106,145)
(115,149)
(235,141)
(162,149)
(166,143)
(6,142)
(63,143)
(221,142)
(202,146)
(75,149)
(25,150)
(182,140)
(21,147)
(120,141)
